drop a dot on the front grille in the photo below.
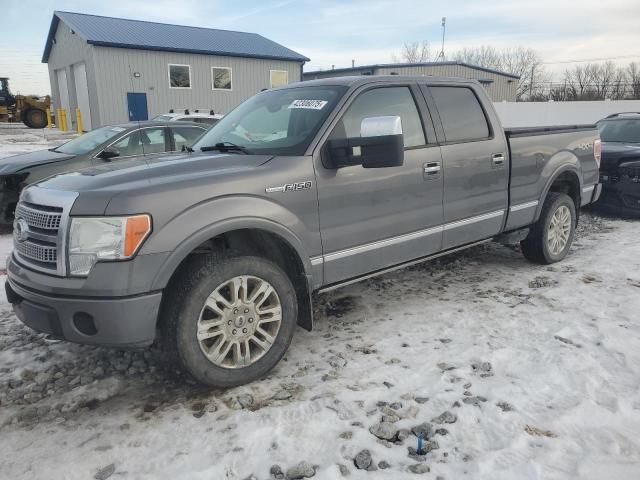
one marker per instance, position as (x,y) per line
(39,229)
(40,216)
(35,235)
(43,253)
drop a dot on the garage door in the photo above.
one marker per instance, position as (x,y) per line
(63,92)
(82,94)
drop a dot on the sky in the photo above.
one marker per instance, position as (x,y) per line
(333,33)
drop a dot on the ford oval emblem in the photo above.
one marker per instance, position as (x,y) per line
(21,230)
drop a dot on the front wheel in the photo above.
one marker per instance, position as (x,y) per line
(229,319)
(550,238)
(35,118)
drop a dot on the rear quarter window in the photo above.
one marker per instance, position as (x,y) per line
(462,116)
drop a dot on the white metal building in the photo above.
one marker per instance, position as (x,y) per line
(499,85)
(117,70)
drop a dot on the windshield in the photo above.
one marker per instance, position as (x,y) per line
(620,131)
(90,140)
(275,122)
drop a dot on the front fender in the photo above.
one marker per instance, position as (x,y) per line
(186,231)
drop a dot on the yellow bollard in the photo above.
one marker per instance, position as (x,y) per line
(49,125)
(63,119)
(59,120)
(79,121)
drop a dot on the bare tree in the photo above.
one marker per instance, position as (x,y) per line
(527,64)
(521,61)
(483,56)
(413,52)
(633,78)
(578,82)
(619,86)
(602,77)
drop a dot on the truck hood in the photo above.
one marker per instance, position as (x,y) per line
(613,154)
(20,162)
(148,172)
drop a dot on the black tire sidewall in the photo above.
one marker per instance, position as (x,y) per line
(31,115)
(562,199)
(188,348)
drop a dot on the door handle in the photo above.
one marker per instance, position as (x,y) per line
(497,159)
(432,168)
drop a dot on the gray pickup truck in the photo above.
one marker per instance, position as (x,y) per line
(214,254)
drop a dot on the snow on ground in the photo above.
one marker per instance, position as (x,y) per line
(538,367)
(16,139)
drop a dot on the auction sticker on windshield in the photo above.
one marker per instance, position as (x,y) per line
(310,104)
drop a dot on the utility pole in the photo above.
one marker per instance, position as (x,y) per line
(531,82)
(444,28)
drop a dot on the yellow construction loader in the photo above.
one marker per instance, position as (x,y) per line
(29,109)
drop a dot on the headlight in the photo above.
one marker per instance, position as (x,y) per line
(104,238)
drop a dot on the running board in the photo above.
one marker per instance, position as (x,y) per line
(400,266)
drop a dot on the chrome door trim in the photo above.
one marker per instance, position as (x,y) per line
(399,266)
(403,238)
(476,219)
(381,243)
(523,206)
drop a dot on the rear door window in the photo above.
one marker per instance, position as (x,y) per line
(142,142)
(462,116)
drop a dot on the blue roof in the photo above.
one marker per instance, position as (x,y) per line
(137,34)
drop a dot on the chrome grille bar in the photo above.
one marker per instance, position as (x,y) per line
(40,229)
(39,217)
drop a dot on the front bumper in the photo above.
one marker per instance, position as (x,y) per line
(620,198)
(110,321)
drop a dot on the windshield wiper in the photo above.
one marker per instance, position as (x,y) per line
(225,147)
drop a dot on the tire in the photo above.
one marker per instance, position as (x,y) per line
(184,313)
(536,247)
(35,118)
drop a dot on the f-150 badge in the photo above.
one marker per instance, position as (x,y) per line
(290,187)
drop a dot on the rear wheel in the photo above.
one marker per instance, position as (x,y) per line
(35,118)
(550,238)
(229,319)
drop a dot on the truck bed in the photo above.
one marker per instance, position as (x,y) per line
(535,160)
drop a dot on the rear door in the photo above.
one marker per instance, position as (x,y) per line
(373,218)
(475,163)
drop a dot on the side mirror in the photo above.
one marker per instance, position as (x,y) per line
(109,153)
(380,145)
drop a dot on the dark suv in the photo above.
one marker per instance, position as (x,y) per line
(620,167)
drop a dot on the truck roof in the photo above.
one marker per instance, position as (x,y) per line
(364,79)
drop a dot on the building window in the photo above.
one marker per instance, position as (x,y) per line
(221,78)
(279,78)
(179,76)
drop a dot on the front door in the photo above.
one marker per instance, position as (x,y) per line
(374,218)
(475,165)
(137,105)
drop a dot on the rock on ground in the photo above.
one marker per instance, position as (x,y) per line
(301,470)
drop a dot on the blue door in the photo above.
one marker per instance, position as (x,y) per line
(137,104)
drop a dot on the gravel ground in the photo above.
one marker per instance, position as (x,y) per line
(513,372)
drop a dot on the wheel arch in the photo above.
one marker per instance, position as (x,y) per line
(565,179)
(251,236)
